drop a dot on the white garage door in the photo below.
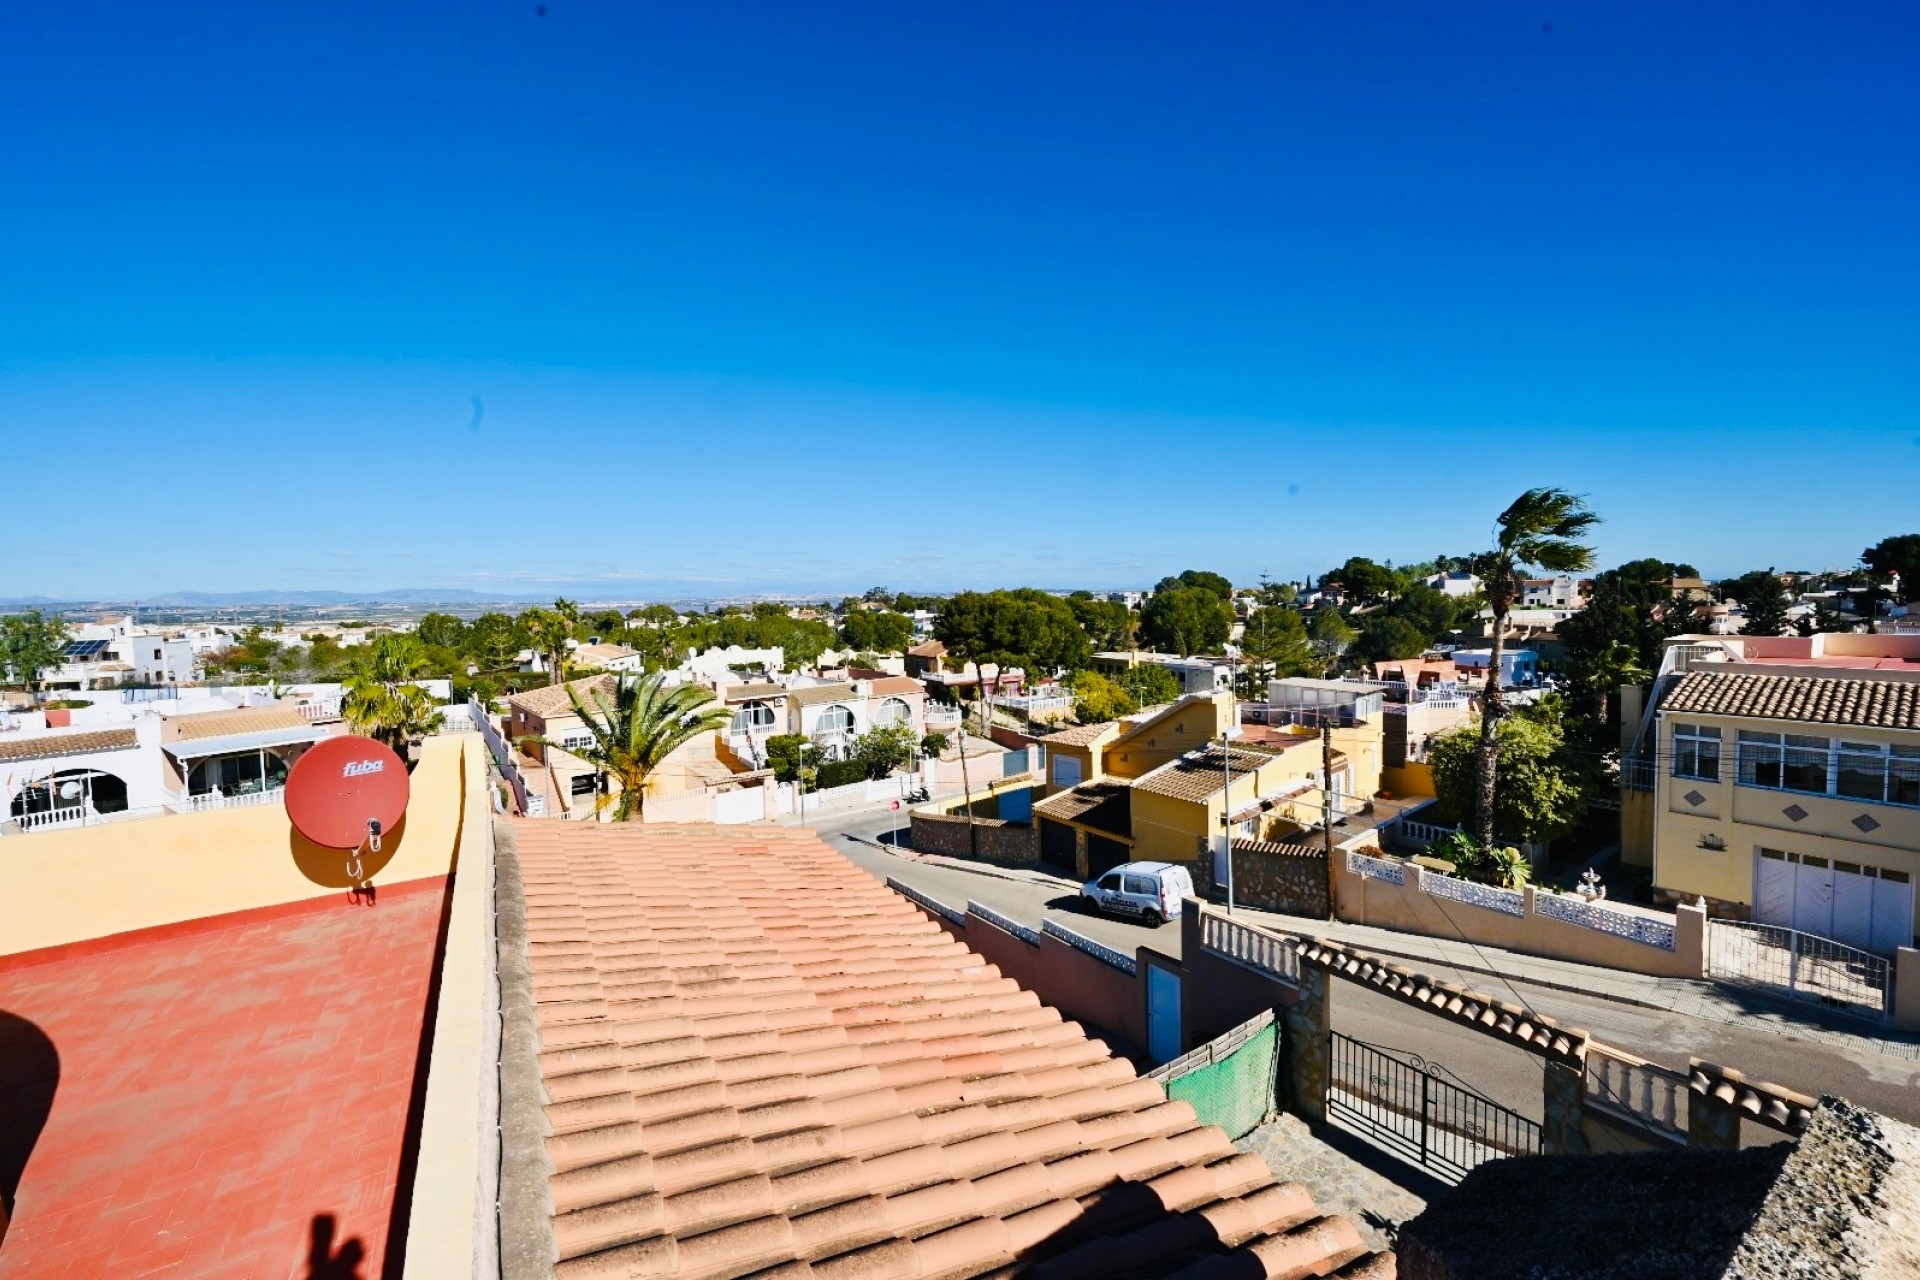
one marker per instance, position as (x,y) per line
(1862,906)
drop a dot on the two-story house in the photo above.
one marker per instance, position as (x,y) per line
(1792,795)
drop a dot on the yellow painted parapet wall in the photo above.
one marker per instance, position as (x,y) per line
(74,885)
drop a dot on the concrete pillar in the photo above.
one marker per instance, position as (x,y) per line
(1713,1124)
(1563,1103)
(1082,863)
(1690,938)
(1906,990)
(1304,1043)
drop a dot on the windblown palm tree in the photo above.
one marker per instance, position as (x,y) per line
(382,701)
(1543,528)
(644,722)
(547,632)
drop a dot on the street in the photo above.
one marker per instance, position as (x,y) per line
(1507,1074)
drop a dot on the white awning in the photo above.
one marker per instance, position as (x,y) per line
(199,748)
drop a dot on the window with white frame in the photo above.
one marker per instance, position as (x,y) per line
(835,720)
(1877,772)
(1696,752)
(753,717)
(574,739)
(893,711)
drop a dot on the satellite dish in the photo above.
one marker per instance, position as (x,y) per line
(345,789)
(69,790)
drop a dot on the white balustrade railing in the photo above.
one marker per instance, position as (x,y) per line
(1372,868)
(239,800)
(1648,930)
(52,819)
(1269,953)
(1633,1088)
(1510,902)
(325,709)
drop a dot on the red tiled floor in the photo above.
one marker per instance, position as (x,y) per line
(222,1092)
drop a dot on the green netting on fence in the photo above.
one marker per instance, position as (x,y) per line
(1236,1092)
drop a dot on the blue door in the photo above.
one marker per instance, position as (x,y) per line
(1163,1014)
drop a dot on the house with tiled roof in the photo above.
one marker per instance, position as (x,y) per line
(574,787)
(1782,783)
(829,713)
(749,1057)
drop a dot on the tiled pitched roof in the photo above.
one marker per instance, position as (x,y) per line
(1107,806)
(892,686)
(552,700)
(931,649)
(759,1059)
(66,744)
(222,724)
(747,692)
(592,653)
(1199,774)
(1080,735)
(822,693)
(1882,704)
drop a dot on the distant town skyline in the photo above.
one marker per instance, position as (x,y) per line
(818,298)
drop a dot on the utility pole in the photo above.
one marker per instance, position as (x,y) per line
(1328,804)
(966,791)
(1226,814)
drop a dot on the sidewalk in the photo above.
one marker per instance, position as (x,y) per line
(1491,969)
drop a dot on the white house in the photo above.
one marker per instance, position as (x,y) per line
(1456,583)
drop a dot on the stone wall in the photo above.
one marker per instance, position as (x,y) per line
(1006,844)
(1280,877)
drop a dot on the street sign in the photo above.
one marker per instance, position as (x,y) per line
(895,805)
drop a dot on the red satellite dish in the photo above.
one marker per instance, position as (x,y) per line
(342,784)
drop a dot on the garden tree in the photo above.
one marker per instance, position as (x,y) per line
(885,748)
(570,614)
(1097,699)
(882,632)
(608,624)
(788,753)
(1901,555)
(934,744)
(253,653)
(1196,579)
(878,595)
(30,643)
(441,631)
(1505,868)
(1385,638)
(1025,628)
(1150,684)
(1762,599)
(634,731)
(1537,796)
(1430,612)
(1186,621)
(654,615)
(547,632)
(327,659)
(1545,529)
(1276,594)
(1330,632)
(1363,578)
(1274,645)
(1825,619)
(1109,624)
(383,700)
(493,640)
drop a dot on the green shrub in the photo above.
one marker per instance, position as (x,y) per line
(838,773)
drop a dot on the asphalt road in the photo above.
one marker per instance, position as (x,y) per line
(1507,1074)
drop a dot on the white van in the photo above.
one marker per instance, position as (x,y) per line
(1149,891)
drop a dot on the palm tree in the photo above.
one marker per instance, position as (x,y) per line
(547,633)
(1543,528)
(633,733)
(382,699)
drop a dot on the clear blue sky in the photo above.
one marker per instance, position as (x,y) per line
(680,297)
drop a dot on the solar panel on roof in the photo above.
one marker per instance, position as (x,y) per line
(84,648)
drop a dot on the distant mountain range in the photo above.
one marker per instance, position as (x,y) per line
(222,599)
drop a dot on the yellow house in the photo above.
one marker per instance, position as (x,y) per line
(1792,795)
(1139,744)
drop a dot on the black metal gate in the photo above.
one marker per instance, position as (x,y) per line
(1399,1102)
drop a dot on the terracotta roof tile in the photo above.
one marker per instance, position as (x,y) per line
(1081,735)
(1199,774)
(886,686)
(220,724)
(1105,805)
(66,744)
(553,701)
(1883,704)
(758,1058)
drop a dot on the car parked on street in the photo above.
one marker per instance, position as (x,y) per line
(1150,892)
